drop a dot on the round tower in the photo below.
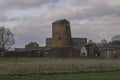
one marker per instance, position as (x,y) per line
(61,34)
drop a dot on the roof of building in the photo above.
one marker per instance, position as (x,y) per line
(31,49)
(40,49)
(109,47)
(62,21)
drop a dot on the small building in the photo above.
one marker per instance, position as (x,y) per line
(110,51)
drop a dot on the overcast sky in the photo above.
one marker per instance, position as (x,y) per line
(31,20)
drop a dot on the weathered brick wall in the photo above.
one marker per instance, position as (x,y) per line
(62,52)
(61,34)
(48,42)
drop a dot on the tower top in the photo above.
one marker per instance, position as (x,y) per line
(62,22)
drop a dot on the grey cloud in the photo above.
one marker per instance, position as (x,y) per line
(35,30)
(21,4)
(3,18)
(75,12)
(94,20)
(97,10)
(79,2)
(14,19)
(96,31)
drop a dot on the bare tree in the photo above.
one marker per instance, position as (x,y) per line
(6,39)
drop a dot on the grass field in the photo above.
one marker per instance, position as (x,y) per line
(82,76)
(31,66)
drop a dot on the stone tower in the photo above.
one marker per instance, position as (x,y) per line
(61,34)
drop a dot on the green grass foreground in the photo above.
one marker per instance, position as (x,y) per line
(31,66)
(82,76)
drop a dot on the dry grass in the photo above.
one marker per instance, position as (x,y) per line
(57,65)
